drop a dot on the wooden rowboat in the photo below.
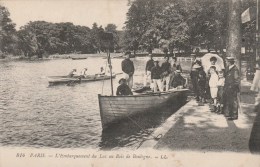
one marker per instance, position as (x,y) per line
(115,108)
(57,80)
(78,58)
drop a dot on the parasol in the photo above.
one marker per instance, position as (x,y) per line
(205,60)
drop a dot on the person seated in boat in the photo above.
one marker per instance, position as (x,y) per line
(83,73)
(102,71)
(73,73)
(123,89)
(178,81)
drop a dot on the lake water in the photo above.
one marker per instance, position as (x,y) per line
(32,114)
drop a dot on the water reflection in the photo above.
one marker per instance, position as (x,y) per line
(133,131)
(35,115)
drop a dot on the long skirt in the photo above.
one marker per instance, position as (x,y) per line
(256,82)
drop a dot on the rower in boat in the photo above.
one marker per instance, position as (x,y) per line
(73,73)
(83,73)
(123,89)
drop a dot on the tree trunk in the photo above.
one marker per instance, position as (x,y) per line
(234,31)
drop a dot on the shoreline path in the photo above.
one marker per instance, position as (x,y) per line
(195,128)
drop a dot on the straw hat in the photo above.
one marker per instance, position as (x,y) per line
(230,58)
(196,66)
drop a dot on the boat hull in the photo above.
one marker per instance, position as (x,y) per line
(115,108)
(79,58)
(56,80)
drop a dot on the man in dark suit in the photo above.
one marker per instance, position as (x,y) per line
(231,89)
(128,69)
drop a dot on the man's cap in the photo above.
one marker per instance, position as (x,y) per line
(230,58)
(127,53)
(178,71)
(156,61)
(122,79)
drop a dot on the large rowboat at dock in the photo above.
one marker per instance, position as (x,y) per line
(115,108)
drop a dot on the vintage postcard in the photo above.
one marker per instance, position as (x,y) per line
(129,83)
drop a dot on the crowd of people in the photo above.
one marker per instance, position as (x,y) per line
(220,86)
(217,85)
(159,77)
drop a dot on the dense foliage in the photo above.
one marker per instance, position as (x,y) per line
(44,38)
(165,24)
(179,24)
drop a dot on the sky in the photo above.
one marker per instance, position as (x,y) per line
(79,12)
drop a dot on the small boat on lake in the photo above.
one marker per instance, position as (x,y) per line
(58,80)
(78,58)
(115,108)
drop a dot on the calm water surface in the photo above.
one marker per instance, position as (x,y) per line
(32,114)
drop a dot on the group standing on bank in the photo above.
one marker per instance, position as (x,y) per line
(220,86)
(217,85)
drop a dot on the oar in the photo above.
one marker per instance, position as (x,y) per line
(69,84)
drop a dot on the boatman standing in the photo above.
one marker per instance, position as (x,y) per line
(166,71)
(148,68)
(156,77)
(128,69)
(231,90)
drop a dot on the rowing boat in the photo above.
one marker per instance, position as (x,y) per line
(57,80)
(78,58)
(115,108)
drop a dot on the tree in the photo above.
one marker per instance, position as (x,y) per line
(8,37)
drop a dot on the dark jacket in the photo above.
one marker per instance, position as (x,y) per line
(176,67)
(123,89)
(149,65)
(232,79)
(166,68)
(177,80)
(128,67)
(156,72)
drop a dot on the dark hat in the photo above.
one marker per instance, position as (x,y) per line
(122,79)
(127,53)
(213,58)
(230,58)
(156,61)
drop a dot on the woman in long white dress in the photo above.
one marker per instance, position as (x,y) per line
(256,83)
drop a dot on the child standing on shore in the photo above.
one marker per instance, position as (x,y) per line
(220,84)
(213,86)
